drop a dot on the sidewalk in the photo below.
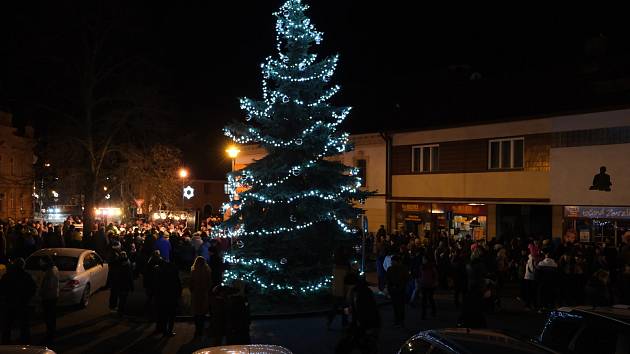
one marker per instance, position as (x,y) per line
(95,330)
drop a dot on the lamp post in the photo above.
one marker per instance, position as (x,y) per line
(183,173)
(232,152)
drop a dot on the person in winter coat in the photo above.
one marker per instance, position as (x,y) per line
(472,315)
(149,278)
(200,279)
(529,283)
(101,243)
(428,282)
(49,293)
(196,242)
(188,254)
(218,315)
(460,278)
(51,237)
(17,288)
(547,275)
(238,321)
(122,284)
(113,273)
(163,245)
(397,279)
(366,321)
(597,288)
(168,291)
(216,265)
(204,250)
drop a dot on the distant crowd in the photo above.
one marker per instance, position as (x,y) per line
(158,253)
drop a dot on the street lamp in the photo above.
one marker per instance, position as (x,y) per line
(232,152)
(183,173)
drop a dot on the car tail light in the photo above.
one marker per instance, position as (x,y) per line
(71,284)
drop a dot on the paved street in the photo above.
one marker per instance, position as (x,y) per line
(95,330)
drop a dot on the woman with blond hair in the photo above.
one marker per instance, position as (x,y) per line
(199,289)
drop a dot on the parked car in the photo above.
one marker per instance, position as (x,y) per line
(81,273)
(469,341)
(585,329)
(24,349)
(245,349)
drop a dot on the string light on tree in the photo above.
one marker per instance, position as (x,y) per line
(294,195)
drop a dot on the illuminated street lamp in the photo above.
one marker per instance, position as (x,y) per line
(183,173)
(232,152)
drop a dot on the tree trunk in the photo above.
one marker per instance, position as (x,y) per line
(89,204)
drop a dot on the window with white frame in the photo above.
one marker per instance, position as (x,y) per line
(506,153)
(425,158)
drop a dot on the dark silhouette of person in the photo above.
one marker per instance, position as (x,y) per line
(601,181)
(17,288)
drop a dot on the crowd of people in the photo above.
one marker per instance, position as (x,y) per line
(409,270)
(550,272)
(158,253)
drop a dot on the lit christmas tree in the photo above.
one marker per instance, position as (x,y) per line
(296,202)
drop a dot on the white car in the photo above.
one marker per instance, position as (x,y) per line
(245,349)
(81,273)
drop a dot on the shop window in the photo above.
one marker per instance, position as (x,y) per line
(362,166)
(506,153)
(425,158)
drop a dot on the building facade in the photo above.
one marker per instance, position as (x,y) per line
(208,197)
(532,177)
(369,155)
(16,170)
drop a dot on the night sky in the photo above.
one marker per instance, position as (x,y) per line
(409,66)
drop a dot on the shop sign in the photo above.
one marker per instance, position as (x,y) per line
(597,212)
(411,207)
(461,209)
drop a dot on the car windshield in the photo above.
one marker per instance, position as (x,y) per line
(63,263)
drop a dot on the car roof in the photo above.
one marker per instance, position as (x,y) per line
(24,349)
(69,252)
(459,339)
(245,349)
(619,313)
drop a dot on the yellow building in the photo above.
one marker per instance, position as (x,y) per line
(519,178)
(16,170)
